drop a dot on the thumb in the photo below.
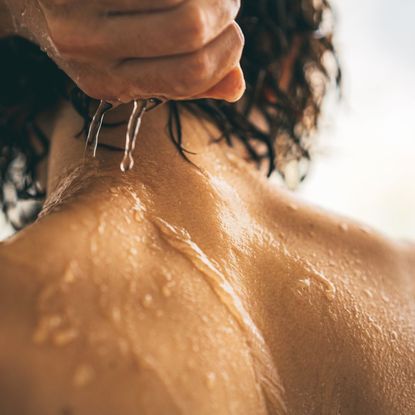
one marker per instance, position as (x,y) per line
(231,88)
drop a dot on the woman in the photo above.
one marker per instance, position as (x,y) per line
(191,284)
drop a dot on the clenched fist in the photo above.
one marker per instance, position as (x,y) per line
(119,50)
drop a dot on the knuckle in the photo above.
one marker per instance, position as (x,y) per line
(239,41)
(232,9)
(196,29)
(192,75)
(197,69)
(237,4)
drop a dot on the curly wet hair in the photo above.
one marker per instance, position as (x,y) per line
(278,33)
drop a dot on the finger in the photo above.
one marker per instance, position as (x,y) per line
(183,29)
(121,7)
(230,89)
(184,76)
(109,6)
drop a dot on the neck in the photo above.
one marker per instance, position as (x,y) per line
(155,149)
(209,199)
(168,186)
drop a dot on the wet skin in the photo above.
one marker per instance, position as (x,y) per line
(175,289)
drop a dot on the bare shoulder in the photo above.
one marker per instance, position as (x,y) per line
(355,288)
(83,338)
(408,249)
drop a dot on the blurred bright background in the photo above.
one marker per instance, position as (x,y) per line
(366,162)
(365,168)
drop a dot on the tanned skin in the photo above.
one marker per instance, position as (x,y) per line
(151,292)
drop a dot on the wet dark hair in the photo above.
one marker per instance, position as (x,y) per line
(278,32)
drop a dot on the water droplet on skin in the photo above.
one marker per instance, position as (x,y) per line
(365,230)
(101,229)
(138,216)
(84,375)
(305,282)
(69,276)
(159,313)
(65,337)
(133,251)
(293,207)
(385,298)
(116,315)
(45,326)
(344,227)
(314,274)
(94,247)
(377,328)
(147,301)
(211,380)
(330,287)
(114,191)
(166,291)
(368,293)
(168,276)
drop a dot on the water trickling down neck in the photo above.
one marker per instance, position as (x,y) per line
(141,106)
(96,125)
(133,130)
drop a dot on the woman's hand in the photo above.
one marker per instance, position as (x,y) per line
(126,49)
